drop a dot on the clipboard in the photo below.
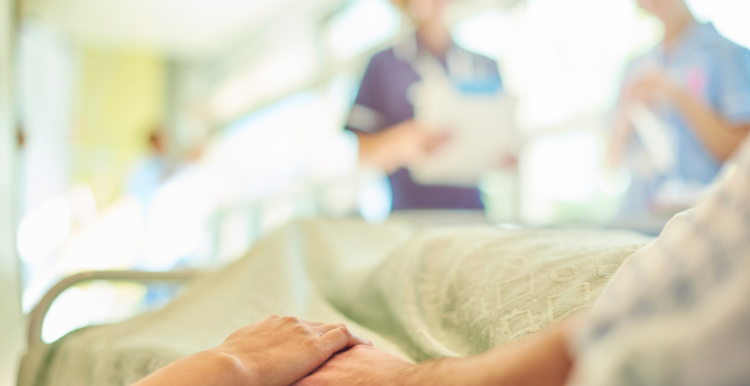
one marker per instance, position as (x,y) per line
(656,137)
(480,127)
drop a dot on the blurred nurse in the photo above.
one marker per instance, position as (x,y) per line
(383,114)
(697,83)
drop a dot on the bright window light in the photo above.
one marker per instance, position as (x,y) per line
(487,33)
(375,198)
(82,203)
(68,312)
(176,225)
(565,167)
(43,230)
(361,26)
(571,71)
(296,138)
(93,303)
(729,16)
(111,241)
(284,68)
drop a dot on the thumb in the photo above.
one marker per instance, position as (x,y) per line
(340,338)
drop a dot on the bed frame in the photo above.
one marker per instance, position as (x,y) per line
(36,318)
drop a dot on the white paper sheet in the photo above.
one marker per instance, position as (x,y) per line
(656,137)
(480,127)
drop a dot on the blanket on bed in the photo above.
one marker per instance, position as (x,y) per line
(418,293)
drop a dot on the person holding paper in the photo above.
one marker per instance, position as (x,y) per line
(383,114)
(693,89)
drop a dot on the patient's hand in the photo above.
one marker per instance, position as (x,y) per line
(358,366)
(273,352)
(279,351)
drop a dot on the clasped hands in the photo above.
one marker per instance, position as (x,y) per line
(283,351)
(650,88)
(289,351)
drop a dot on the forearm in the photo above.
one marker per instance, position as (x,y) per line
(375,153)
(540,360)
(618,143)
(720,137)
(209,367)
(368,146)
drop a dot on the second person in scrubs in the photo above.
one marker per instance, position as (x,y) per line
(697,82)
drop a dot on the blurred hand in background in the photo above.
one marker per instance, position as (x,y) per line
(400,145)
(651,88)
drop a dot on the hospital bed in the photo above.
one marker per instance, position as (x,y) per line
(417,291)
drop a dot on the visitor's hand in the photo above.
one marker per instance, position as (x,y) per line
(279,351)
(507,161)
(650,88)
(358,366)
(400,145)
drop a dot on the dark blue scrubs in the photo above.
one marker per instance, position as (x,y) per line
(383,101)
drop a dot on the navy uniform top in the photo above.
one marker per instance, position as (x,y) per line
(383,101)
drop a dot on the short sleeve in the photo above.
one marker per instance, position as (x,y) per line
(366,116)
(492,70)
(734,84)
(494,73)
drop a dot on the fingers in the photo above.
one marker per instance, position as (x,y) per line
(325,328)
(293,320)
(322,328)
(339,338)
(436,141)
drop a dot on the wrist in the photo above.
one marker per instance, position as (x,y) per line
(377,150)
(677,95)
(437,372)
(228,368)
(369,146)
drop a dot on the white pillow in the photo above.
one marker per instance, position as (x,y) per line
(461,291)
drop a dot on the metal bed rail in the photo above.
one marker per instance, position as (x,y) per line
(37,315)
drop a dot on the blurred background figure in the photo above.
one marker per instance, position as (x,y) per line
(683,111)
(383,113)
(149,173)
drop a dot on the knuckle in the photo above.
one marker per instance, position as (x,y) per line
(291,320)
(302,330)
